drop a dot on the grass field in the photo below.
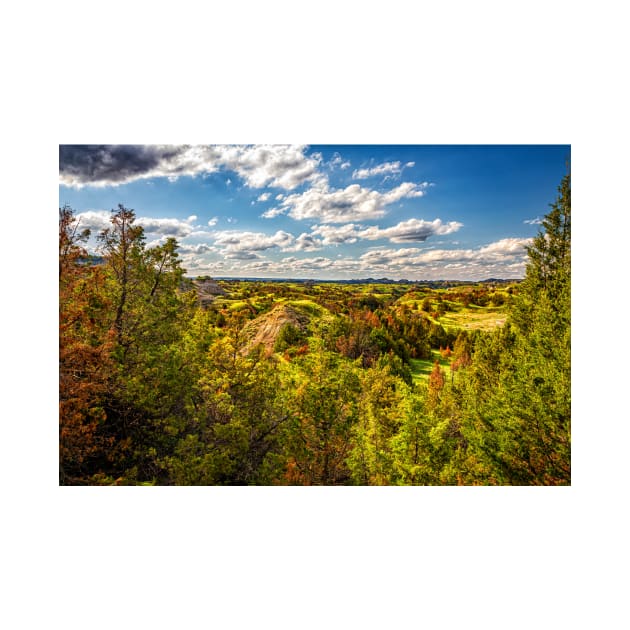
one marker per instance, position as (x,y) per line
(421,368)
(474,318)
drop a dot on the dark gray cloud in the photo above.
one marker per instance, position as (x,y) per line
(242,255)
(100,163)
(283,166)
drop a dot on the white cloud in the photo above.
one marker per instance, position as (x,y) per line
(505,252)
(264,197)
(389,257)
(281,166)
(304,243)
(273,212)
(200,248)
(201,266)
(382,169)
(536,221)
(98,220)
(505,247)
(213,221)
(505,258)
(337,234)
(353,203)
(338,161)
(234,242)
(95,220)
(410,231)
(168,227)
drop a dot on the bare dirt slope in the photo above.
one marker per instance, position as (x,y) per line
(265,329)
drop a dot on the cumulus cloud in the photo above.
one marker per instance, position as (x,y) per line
(264,197)
(298,264)
(410,231)
(505,258)
(506,247)
(282,166)
(98,220)
(233,242)
(346,205)
(212,222)
(337,234)
(241,255)
(167,227)
(389,257)
(509,251)
(304,243)
(273,212)
(95,220)
(200,248)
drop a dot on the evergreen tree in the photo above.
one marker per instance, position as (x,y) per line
(148,388)
(518,418)
(323,410)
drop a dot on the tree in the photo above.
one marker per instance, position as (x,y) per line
(123,245)
(548,270)
(288,335)
(437,379)
(232,436)
(518,416)
(147,315)
(84,353)
(462,351)
(71,240)
(371,459)
(323,410)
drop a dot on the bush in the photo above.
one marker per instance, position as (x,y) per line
(289,335)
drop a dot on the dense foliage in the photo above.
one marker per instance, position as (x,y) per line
(338,385)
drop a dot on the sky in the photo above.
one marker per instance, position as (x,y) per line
(415,212)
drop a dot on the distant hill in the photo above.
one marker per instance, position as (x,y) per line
(424,283)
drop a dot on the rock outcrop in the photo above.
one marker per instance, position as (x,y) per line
(207,290)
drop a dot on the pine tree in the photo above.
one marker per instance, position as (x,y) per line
(518,422)
(548,270)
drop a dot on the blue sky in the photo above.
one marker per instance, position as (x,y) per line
(329,212)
